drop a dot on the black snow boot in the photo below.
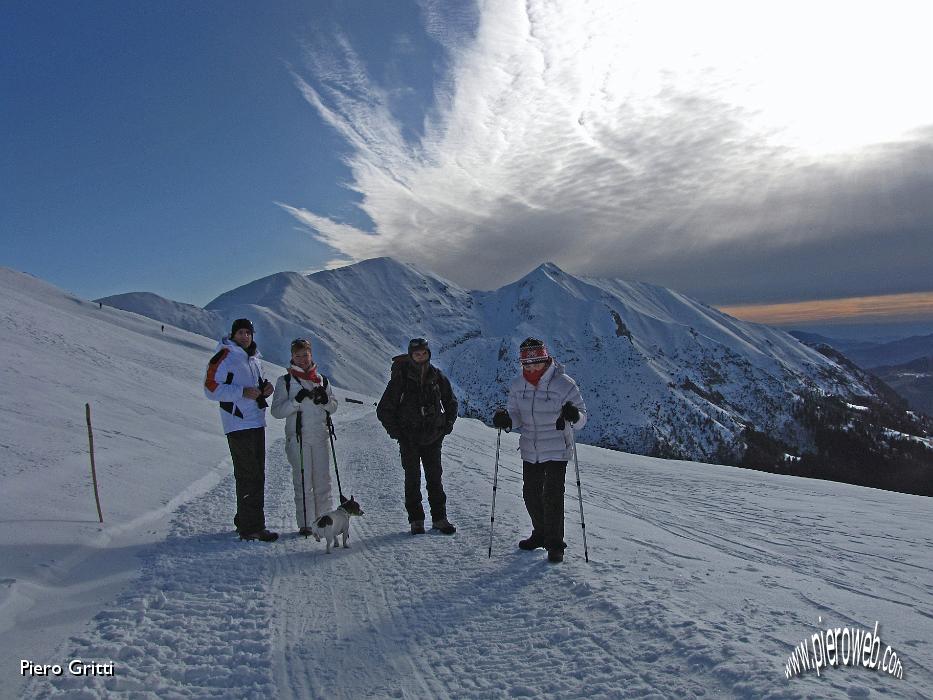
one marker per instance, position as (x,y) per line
(555,556)
(417,527)
(444,526)
(533,542)
(261,535)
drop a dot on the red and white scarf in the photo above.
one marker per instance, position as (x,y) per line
(310,376)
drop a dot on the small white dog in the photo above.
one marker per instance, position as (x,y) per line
(337,522)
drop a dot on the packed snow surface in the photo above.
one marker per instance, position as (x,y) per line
(701,579)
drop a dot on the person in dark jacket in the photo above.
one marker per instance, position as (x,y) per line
(418,408)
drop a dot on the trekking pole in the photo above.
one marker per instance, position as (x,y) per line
(332,434)
(301,460)
(576,462)
(495,480)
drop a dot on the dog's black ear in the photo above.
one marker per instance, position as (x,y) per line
(343,499)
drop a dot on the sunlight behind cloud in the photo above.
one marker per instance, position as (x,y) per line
(620,137)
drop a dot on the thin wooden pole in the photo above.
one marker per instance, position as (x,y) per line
(90,439)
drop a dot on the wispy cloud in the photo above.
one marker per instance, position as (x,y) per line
(685,146)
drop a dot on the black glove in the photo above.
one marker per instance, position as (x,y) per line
(302,395)
(570,412)
(502,420)
(261,399)
(319,395)
(567,412)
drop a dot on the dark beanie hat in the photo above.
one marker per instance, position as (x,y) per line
(418,344)
(242,323)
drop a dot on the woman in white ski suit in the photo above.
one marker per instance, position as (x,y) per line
(545,405)
(301,393)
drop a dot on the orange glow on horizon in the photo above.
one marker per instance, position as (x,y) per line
(890,307)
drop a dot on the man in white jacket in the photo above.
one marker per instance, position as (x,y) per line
(234,379)
(543,404)
(304,399)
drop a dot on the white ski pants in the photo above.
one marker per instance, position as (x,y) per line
(318,498)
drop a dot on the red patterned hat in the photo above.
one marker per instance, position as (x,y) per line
(532,350)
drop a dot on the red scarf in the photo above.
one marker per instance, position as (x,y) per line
(534,377)
(310,376)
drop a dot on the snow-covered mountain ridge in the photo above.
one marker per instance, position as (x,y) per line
(662,373)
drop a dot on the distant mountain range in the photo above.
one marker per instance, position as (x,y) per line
(662,374)
(869,354)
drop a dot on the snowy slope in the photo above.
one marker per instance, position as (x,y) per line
(187,316)
(701,578)
(157,440)
(662,373)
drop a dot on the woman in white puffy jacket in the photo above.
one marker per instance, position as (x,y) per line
(303,398)
(544,403)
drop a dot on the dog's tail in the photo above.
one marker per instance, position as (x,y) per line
(324,521)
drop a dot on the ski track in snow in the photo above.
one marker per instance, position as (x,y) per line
(675,602)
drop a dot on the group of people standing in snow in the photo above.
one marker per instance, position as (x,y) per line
(418,409)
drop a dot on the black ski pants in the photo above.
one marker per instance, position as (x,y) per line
(248,450)
(413,457)
(543,491)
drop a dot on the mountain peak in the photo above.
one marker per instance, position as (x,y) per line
(550,267)
(263,291)
(384,265)
(382,262)
(547,274)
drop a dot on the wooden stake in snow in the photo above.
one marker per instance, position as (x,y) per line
(90,439)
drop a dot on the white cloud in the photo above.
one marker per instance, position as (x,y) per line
(618,136)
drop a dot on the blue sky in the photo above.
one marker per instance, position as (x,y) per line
(739,152)
(150,142)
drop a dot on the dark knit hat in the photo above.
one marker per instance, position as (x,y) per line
(532,350)
(242,323)
(418,344)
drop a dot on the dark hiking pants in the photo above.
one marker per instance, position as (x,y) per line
(413,456)
(248,449)
(543,491)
